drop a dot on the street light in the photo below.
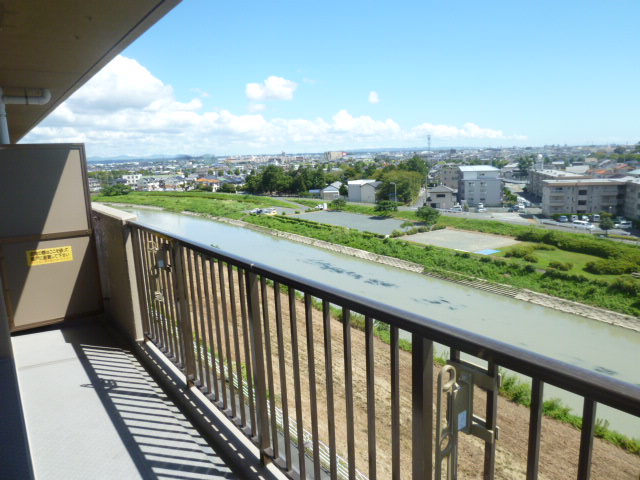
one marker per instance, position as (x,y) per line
(395,192)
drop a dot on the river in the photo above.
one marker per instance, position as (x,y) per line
(586,343)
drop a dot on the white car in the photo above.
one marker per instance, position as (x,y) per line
(626,224)
(583,224)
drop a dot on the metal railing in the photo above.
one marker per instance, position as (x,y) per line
(278,354)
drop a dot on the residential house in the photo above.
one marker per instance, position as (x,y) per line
(363,190)
(209,181)
(331,192)
(442,197)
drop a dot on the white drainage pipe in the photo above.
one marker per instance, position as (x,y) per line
(26,99)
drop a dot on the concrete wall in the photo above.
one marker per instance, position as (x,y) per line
(117,269)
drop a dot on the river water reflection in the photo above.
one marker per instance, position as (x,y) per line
(570,338)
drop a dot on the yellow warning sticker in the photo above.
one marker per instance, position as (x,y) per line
(49,255)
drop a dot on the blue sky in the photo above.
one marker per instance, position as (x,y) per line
(261,77)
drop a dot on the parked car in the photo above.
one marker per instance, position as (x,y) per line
(595,218)
(574,218)
(585,218)
(626,224)
(583,224)
(456,208)
(563,219)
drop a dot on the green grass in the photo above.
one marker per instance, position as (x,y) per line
(218,204)
(579,260)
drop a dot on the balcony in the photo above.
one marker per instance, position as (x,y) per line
(256,373)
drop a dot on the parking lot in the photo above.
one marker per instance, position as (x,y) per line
(381,225)
(462,240)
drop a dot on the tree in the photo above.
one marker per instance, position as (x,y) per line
(344,190)
(415,164)
(525,164)
(386,206)
(606,224)
(407,186)
(338,204)
(227,188)
(428,215)
(117,189)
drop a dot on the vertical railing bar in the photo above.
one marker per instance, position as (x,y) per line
(296,382)
(454,355)
(211,375)
(227,342)
(216,317)
(371,396)
(422,407)
(236,335)
(395,402)
(247,354)
(137,254)
(492,421)
(192,272)
(175,307)
(184,320)
(586,439)
(269,360)
(171,303)
(311,366)
(166,302)
(535,427)
(283,376)
(247,359)
(255,323)
(147,297)
(348,381)
(328,366)
(155,322)
(200,280)
(162,308)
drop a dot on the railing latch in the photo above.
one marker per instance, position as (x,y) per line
(454,412)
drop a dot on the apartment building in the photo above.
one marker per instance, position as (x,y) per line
(480,184)
(448,175)
(582,196)
(536,177)
(632,199)
(132,179)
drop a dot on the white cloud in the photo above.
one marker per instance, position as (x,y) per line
(373,97)
(124,109)
(273,88)
(257,107)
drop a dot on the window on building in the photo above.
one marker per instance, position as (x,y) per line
(582,202)
(440,195)
(582,192)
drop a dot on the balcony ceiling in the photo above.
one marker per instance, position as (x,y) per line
(61,44)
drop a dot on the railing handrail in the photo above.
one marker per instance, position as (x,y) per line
(586,383)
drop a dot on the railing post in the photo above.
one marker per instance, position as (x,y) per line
(422,407)
(184,318)
(586,439)
(258,364)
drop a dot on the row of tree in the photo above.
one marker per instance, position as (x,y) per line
(274,179)
(400,182)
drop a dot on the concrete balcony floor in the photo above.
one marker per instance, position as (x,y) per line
(93,411)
